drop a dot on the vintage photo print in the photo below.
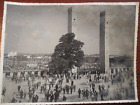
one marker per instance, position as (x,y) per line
(69,53)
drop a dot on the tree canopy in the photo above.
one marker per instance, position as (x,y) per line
(67,54)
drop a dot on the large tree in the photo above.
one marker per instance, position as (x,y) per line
(67,55)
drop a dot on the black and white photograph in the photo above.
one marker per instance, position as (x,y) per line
(69,53)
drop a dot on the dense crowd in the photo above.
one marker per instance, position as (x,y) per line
(55,90)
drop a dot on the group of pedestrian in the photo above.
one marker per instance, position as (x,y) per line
(69,89)
(52,96)
(84,93)
(35,98)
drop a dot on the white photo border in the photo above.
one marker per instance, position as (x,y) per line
(89,3)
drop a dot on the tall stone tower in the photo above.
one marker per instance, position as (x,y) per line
(72,20)
(104,46)
(72,26)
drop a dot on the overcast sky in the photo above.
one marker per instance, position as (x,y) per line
(37,29)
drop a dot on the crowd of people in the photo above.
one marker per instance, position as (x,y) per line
(58,87)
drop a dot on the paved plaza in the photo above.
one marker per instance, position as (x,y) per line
(115,91)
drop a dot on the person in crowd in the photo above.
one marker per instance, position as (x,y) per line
(99,87)
(74,87)
(33,99)
(67,89)
(19,87)
(51,98)
(36,98)
(77,76)
(56,87)
(41,89)
(90,80)
(79,92)
(21,94)
(84,92)
(90,93)
(33,90)
(56,95)
(25,94)
(72,82)
(37,85)
(64,98)
(95,95)
(63,90)
(30,95)
(93,87)
(71,89)
(47,95)
(4,91)
(87,93)
(13,100)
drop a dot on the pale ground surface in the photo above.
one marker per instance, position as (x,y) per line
(11,90)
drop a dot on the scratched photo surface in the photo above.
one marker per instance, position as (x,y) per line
(69,53)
